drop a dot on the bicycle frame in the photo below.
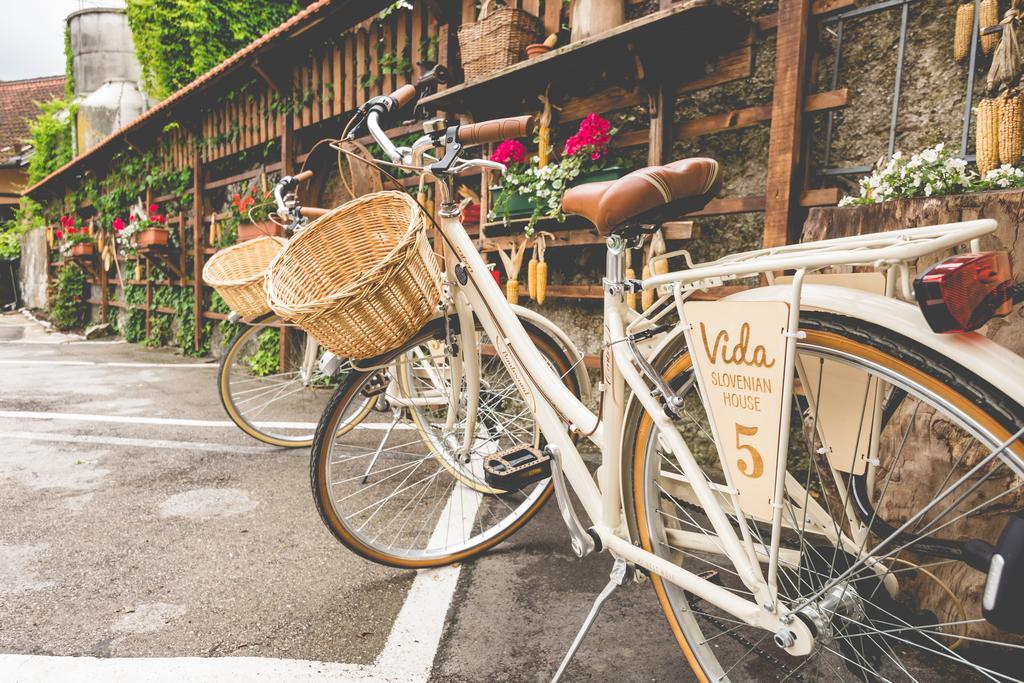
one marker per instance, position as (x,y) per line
(475,292)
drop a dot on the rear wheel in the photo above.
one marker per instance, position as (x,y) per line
(400,489)
(917,615)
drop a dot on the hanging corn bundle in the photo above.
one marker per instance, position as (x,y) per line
(540,248)
(647,296)
(963,32)
(214,231)
(531,276)
(988,16)
(1006,61)
(987,140)
(544,129)
(631,296)
(513,264)
(657,248)
(1011,120)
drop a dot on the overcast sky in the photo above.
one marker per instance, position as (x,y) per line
(33,35)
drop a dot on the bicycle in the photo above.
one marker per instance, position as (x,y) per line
(270,392)
(753,470)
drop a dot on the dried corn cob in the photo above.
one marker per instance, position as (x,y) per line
(542,281)
(963,32)
(531,278)
(512,291)
(1011,117)
(987,140)
(631,296)
(647,296)
(988,16)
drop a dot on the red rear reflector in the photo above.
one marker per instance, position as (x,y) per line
(964,292)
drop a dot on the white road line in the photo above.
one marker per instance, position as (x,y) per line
(407,656)
(58,342)
(191,366)
(170,421)
(138,443)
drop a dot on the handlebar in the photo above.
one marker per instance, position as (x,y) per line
(312,212)
(495,131)
(303,177)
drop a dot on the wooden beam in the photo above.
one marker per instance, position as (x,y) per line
(197,244)
(770,22)
(787,120)
(659,132)
(673,231)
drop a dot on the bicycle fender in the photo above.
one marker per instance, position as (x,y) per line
(995,364)
(571,350)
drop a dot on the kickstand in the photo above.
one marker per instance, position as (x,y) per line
(620,572)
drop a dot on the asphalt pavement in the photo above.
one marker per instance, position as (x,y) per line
(143,537)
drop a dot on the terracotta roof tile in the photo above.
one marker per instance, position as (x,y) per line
(17,108)
(307,16)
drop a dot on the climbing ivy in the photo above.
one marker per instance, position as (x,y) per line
(178,40)
(69,74)
(267,357)
(68,307)
(50,137)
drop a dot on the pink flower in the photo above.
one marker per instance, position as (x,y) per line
(591,139)
(509,151)
(118,224)
(60,235)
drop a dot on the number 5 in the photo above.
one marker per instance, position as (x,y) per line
(758,463)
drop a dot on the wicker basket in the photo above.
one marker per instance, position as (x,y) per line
(361,279)
(237,274)
(497,39)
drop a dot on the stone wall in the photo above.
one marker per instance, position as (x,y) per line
(33,269)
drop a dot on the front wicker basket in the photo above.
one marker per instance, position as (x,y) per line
(496,40)
(361,279)
(237,274)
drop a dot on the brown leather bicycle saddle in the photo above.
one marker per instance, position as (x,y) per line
(646,196)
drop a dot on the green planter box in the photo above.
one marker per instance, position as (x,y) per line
(520,206)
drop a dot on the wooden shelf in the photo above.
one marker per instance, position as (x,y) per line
(569,235)
(690,33)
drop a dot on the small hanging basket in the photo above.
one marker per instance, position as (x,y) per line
(361,279)
(237,274)
(496,40)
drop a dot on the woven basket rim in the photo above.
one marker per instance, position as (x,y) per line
(226,251)
(357,286)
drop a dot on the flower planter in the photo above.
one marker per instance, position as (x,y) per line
(83,249)
(151,237)
(536,50)
(520,205)
(250,231)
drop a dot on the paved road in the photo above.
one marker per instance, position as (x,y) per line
(136,524)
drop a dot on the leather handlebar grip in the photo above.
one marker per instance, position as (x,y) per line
(312,211)
(404,95)
(496,130)
(304,176)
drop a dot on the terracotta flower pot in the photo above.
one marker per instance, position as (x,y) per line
(250,231)
(83,249)
(536,50)
(151,237)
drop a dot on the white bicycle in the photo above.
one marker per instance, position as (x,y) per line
(804,468)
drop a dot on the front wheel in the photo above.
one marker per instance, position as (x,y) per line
(401,488)
(883,607)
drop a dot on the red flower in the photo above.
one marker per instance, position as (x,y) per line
(153,208)
(235,199)
(509,151)
(131,219)
(592,138)
(60,235)
(118,224)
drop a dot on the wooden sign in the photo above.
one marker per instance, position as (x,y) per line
(739,354)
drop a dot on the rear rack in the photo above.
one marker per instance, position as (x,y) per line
(878,250)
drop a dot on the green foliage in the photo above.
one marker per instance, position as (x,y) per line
(68,308)
(228,329)
(50,136)
(10,245)
(178,40)
(69,74)
(134,329)
(267,357)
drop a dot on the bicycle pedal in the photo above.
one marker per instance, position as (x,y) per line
(516,467)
